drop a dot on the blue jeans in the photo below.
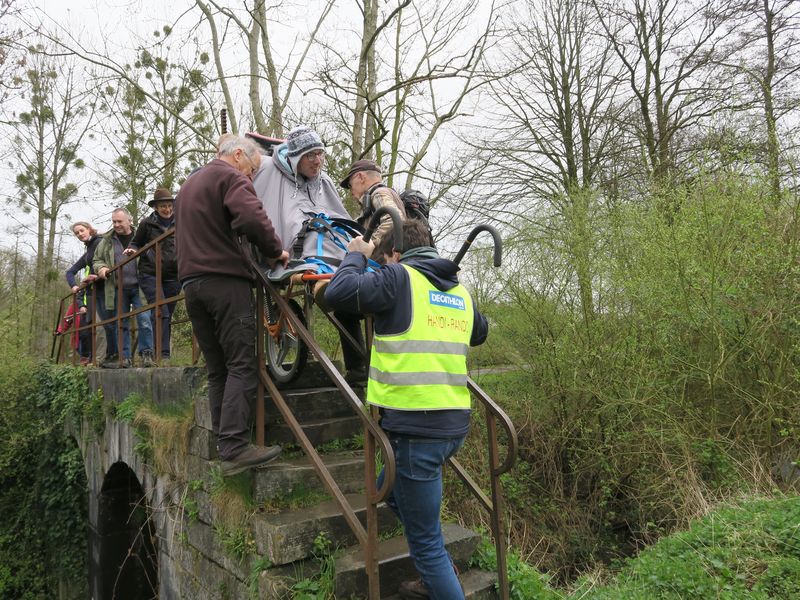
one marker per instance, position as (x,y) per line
(168,289)
(416,499)
(130,301)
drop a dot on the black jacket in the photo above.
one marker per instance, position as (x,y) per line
(148,230)
(83,262)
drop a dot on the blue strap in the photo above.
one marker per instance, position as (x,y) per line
(372,266)
(322,266)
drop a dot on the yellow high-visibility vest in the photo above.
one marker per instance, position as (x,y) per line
(425,367)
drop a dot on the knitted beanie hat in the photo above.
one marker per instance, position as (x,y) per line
(302,140)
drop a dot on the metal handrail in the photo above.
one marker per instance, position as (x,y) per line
(367,538)
(119,316)
(493,414)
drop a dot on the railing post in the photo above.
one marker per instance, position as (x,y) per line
(120,344)
(93,309)
(497,505)
(156,312)
(371,551)
(260,409)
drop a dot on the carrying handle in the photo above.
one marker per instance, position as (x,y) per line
(397,225)
(498,244)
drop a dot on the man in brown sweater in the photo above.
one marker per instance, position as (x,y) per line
(216,204)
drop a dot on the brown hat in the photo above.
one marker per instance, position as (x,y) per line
(360,165)
(159,195)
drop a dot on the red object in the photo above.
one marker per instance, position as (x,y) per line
(71,320)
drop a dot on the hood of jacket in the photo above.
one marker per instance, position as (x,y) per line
(289,201)
(441,272)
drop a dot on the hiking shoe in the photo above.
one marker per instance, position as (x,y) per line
(85,361)
(356,377)
(416,590)
(252,456)
(413,589)
(147,359)
(110,362)
(126,363)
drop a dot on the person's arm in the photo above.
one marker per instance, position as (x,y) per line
(79,265)
(250,220)
(100,263)
(480,327)
(353,290)
(139,240)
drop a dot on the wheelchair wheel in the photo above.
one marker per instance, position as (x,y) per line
(286,354)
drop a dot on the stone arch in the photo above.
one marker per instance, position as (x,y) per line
(125,550)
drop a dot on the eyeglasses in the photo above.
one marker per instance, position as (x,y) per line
(252,170)
(315,155)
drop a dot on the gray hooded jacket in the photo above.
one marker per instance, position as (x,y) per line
(291,200)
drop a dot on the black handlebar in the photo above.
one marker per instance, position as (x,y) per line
(498,244)
(397,225)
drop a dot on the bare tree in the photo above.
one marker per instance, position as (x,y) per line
(665,48)
(553,130)
(418,67)
(253,26)
(11,57)
(48,134)
(762,54)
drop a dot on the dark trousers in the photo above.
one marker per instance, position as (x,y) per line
(112,347)
(85,335)
(169,288)
(221,310)
(352,325)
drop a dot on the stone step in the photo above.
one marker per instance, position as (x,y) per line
(478,585)
(289,535)
(318,432)
(286,476)
(395,565)
(310,404)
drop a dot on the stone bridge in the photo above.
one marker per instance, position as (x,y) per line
(164,524)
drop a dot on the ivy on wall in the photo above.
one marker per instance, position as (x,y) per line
(43,532)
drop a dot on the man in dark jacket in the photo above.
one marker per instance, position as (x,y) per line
(215,205)
(156,224)
(424,322)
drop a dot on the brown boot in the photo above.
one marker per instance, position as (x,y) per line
(252,456)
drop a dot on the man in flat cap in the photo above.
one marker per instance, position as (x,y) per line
(365,182)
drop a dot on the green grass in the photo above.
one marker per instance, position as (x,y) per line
(750,549)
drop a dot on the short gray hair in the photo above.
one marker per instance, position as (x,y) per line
(230,143)
(122,209)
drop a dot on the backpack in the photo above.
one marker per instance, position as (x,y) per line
(323,241)
(416,205)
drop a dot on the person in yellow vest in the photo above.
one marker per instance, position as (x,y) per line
(424,322)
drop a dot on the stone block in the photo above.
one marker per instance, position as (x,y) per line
(285,477)
(289,536)
(394,563)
